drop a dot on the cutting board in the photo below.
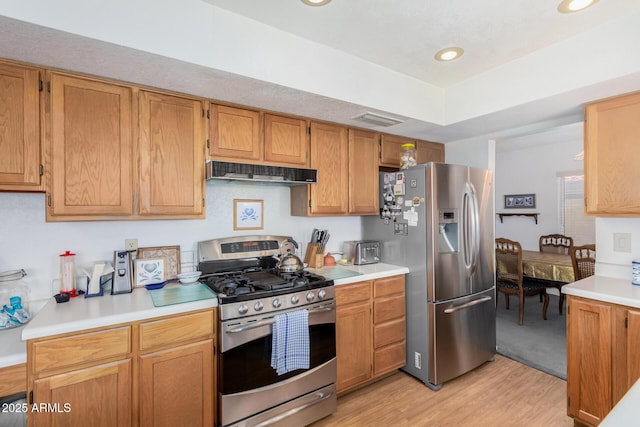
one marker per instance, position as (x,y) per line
(180,294)
(335,273)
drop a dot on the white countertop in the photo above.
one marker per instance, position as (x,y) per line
(608,289)
(87,313)
(367,272)
(626,411)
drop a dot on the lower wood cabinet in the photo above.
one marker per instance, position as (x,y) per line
(154,372)
(370,330)
(603,341)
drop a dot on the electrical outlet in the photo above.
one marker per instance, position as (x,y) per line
(131,244)
(418,360)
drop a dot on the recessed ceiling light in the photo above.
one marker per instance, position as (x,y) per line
(449,53)
(570,6)
(315,2)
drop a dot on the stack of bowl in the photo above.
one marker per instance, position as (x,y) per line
(189,278)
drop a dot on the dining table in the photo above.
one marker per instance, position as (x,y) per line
(552,269)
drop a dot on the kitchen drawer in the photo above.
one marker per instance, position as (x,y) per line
(13,379)
(388,333)
(70,351)
(388,286)
(356,292)
(172,330)
(385,309)
(389,358)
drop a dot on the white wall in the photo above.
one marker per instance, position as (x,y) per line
(533,170)
(28,242)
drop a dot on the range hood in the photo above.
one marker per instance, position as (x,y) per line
(260,173)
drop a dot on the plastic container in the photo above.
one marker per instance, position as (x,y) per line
(14,299)
(408,156)
(635,273)
(68,273)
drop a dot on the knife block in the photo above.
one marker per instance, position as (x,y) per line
(312,258)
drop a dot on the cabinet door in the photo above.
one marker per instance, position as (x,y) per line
(90,131)
(19,128)
(171,150)
(353,345)
(96,396)
(632,347)
(429,152)
(589,360)
(363,172)
(612,145)
(390,147)
(285,141)
(235,134)
(329,153)
(176,386)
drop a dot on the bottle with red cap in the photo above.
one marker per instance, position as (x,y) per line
(68,273)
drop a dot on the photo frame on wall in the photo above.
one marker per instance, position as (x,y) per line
(247,214)
(170,253)
(519,201)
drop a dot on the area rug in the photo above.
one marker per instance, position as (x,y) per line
(538,343)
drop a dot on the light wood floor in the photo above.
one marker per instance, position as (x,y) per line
(501,393)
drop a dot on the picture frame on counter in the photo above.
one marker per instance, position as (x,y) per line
(149,271)
(171,254)
(519,201)
(247,214)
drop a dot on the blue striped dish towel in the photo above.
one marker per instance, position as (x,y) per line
(290,342)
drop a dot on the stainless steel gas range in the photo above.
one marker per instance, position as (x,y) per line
(252,295)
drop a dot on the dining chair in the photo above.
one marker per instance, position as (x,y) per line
(556,243)
(583,259)
(510,280)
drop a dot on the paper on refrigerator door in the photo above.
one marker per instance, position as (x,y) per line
(411,216)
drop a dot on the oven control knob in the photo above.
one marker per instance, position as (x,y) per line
(295,299)
(310,296)
(321,294)
(243,309)
(258,306)
(276,303)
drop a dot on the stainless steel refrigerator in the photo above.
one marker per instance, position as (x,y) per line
(438,220)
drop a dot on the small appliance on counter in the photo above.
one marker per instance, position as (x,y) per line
(360,252)
(122,275)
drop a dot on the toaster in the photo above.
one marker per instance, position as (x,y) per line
(362,251)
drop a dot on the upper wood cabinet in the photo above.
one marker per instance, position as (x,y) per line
(430,152)
(90,140)
(391,146)
(363,172)
(171,155)
(239,135)
(329,155)
(236,134)
(120,153)
(285,140)
(21,161)
(611,146)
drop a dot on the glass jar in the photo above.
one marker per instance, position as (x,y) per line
(14,299)
(408,156)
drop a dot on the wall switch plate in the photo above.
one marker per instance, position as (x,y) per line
(131,245)
(622,242)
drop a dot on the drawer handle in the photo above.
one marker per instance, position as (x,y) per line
(467,305)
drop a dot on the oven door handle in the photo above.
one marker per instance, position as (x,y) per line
(271,321)
(319,397)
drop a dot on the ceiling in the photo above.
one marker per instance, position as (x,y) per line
(404,35)
(524,72)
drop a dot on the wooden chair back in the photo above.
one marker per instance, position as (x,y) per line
(508,261)
(583,259)
(555,243)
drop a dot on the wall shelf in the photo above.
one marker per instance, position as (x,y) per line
(531,215)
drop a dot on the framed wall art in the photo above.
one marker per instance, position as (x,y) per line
(171,254)
(247,214)
(149,271)
(519,201)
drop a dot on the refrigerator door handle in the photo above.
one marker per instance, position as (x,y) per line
(467,305)
(471,230)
